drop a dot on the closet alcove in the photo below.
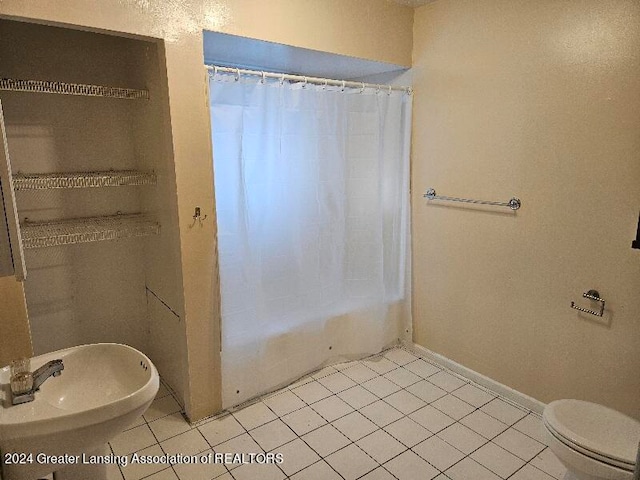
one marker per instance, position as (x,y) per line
(88,134)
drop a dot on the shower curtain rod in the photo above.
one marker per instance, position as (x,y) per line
(213,69)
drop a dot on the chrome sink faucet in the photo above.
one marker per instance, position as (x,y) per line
(24,385)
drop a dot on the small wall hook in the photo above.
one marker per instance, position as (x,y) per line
(197,217)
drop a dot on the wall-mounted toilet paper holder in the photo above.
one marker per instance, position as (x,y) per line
(591,295)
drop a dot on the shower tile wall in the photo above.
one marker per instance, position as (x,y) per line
(391,416)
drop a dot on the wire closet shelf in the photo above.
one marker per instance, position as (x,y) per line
(238,72)
(85,230)
(111,178)
(62,88)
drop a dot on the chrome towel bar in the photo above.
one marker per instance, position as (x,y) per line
(514,203)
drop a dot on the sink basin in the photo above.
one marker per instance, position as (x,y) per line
(104,387)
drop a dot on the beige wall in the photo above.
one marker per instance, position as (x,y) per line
(372,29)
(538,99)
(15,341)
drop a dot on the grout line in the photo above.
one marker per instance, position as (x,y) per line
(322,458)
(336,394)
(474,384)
(517,470)
(154,473)
(466,380)
(173,393)
(330,370)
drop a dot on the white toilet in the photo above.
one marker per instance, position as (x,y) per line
(594,442)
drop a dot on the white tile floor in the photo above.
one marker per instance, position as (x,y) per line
(392,416)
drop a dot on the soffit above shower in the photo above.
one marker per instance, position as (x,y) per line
(236,51)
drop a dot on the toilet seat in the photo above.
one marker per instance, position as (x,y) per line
(595,431)
(587,453)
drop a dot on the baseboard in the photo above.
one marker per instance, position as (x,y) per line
(508,393)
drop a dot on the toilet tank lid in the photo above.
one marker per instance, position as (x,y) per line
(596,428)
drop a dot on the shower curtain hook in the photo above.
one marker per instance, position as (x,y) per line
(282,80)
(326,82)
(389,90)
(378,90)
(343,85)
(215,71)
(237,74)
(305,82)
(362,88)
(263,77)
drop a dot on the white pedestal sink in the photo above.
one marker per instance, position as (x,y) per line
(104,387)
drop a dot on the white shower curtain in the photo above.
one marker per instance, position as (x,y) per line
(312,201)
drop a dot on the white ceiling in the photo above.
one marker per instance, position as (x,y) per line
(413,3)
